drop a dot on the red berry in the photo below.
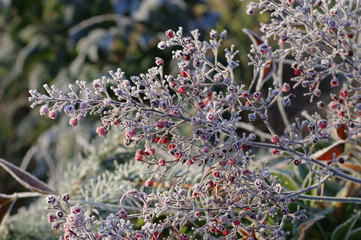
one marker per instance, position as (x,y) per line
(178,155)
(297,72)
(192,161)
(165,140)
(257,95)
(275,139)
(231,161)
(171,146)
(169,33)
(183,236)
(161,162)
(296,162)
(183,73)
(343,93)
(216,174)
(149,183)
(151,150)
(286,87)
(138,157)
(159,62)
(275,151)
(225,232)
(335,82)
(187,57)
(323,124)
(236,222)
(156,140)
(140,151)
(201,104)
(341,113)
(53,114)
(182,89)
(101,131)
(73,122)
(160,124)
(157,235)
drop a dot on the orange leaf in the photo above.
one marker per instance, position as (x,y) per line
(326,154)
(353,167)
(265,73)
(257,40)
(5,204)
(341,132)
(306,225)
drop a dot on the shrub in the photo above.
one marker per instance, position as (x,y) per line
(200,119)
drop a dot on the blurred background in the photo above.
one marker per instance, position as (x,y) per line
(60,41)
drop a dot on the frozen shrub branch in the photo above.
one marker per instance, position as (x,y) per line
(237,193)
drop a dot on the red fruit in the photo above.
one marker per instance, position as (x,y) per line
(160,124)
(192,161)
(323,124)
(214,230)
(159,62)
(286,87)
(157,235)
(335,82)
(257,96)
(275,139)
(182,89)
(275,151)
(296,162)
(171,146)
(297,72)
(73,122)
(343,93)
(169,33)
(201,104)
(183,236)
(236,222)
(231,161)
(156,140)
(138,157)
(161,162)
(183,73)
(178,155)
(225,232)
(151,150)
(216,174)
(341,113)
(149,183)
(165,140)
(140,151)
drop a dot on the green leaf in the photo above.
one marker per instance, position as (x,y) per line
(306,183)
(343,231)
(286,180)
(355,234)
